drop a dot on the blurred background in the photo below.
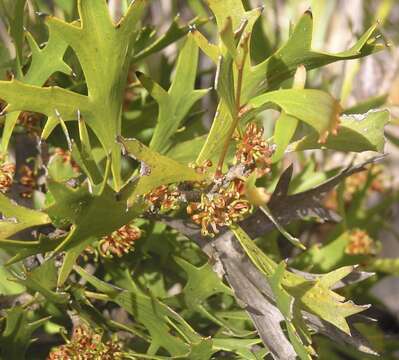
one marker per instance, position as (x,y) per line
(361,85)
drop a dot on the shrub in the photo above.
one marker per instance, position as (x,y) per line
(126,215)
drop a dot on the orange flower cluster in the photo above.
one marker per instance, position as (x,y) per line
(163,197)
(360,243)
(120,242)
(220,209)
(86,345)
(7,171)
(253,150)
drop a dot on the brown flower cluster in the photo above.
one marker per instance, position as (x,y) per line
(253,150)
(28,180)
(223,208)
(31,122)
(7,171)
(66,157)
(360,243)
(163,198)
(86,344)
(120,242)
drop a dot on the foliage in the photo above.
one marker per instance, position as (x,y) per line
(145,195)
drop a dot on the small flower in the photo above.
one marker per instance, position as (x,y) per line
(163,198)
(253,150)
(360,243)
(120,242)
(220,209)
(7,171)
(86,344)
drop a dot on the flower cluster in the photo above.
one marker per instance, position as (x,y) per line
(28,180)
(163,198)
(253,150)
(354,184)
(222,208)
(86,344)
(360,243)
(120,242)
(7,171)
(31,122)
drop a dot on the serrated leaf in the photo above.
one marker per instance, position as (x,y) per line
(44,63)
(43,279)
(175,103)
(158,318)
(163,170)
(202,283)
(17,218)
(111,45)
(17,333)
(285,303)
(90,216)
(311,296)
(279,67)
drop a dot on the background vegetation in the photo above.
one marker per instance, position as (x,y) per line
(199,179)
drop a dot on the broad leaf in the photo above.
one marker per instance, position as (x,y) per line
(279,67)
(355,133)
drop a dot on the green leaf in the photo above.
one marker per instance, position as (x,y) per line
(43,279)
(61,170)
(224,83)
(110,45)
(330,256)
(356,133)
(174,33)
(44,63)
(17,333)
(279,67)
(210,50)
(222,9)
(285,303)
(317,108)
(241,347)
(175,103)
(284,130)
(312,296)
(17,218)
(157,317)
(201,284)
(163,170)
(91,218)
(8,287)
